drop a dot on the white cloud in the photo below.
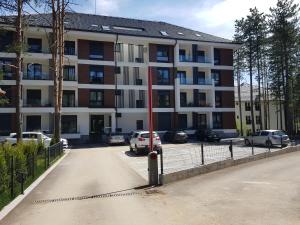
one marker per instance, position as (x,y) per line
(103,7)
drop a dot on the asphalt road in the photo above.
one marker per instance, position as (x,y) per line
(264,192)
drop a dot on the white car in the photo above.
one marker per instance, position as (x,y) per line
(268,138)
(139,142)
(37,137)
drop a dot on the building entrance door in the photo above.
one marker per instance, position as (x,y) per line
(96,127)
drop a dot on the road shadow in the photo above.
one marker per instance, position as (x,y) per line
(132,154)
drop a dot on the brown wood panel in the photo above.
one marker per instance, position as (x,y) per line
(109,98)
(172,99)
(152,52)
(108,48)
(83,97)
(226,78)
(83,49)
(83,73)
(154,121)
(228,119)
(154,99)
(154,75)
(226,57)
(227,99)
(109,74)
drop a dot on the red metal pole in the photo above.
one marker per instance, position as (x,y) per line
(150,121)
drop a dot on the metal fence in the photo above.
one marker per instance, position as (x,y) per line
(193,155)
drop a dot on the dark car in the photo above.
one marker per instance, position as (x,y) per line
(207,135)
(177,136)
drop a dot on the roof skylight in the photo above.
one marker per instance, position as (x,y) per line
(128,28)
(94,25)
(164,33)
(198,35)
(105,27)
(180,33)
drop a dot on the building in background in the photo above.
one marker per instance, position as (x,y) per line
(272,113)
(105,77)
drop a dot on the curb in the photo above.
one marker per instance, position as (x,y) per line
(192,172)
(14,203)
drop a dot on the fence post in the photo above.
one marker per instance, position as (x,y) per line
(252,147)
(33,163)
(45,149)
(48,156)
(202,154)
(269,144)
(281,141)
(230,149)
(161,161)
(12,177)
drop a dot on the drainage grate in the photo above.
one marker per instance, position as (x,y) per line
(109,195)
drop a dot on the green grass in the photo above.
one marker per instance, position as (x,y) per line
(39,170)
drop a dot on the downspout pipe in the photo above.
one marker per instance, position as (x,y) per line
(115,79)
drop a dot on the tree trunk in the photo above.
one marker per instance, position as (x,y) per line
(19,40)
(251,87)
(239,94)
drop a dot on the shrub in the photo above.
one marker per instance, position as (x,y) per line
(3,172)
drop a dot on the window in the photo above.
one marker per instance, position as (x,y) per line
(34,97)
(162,54)
(6,69)
(5,124)
(218,99)
(200,78)
(68,98)
(247,106)
(180,33)
(33,123)
(164,33)
(201,56)
(69,73)
(69,47)
(217,121)
(96,50)
(34,72)
(198,35)
(128,28)
(257,106)
(163,121)
(105,27)
(163,76)
(248,120)
(96,99)
(139,124)
(6,39)
(164,99)
(216,75)
(257,119)
(182,77)
(182,57)
(264,133)
(202,99)
(68,124)
(217,60)
(182,121)
(183,101)
(96,74)
(202,121)
(34,45)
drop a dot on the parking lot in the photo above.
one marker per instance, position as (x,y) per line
(178,157)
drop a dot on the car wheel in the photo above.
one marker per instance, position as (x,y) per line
(269,144)
(247,142)
(130,149)
(136,150)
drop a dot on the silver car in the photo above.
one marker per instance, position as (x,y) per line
(268,138)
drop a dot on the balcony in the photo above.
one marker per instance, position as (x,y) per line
(36,76)
(6,76)
(36,103)
(189,81)
(199,59)
(195,104)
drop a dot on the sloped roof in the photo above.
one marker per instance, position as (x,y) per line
(143,28)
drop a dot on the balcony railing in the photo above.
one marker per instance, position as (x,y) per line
(188,81)
(6,76)
(195,104)
(36,103)
(199,59)
(36,76)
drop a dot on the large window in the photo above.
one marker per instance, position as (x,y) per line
(182,77)
(201,56)
(200,78)
(202,121)
(248,120)
(69,48)
(217,121)
(247,106)
(68,98)
(257,119)
(96,99)
(69,73)
(96,74)
(162,54)
(257,106)
(34,71)
(216,75)
(182,120)
(33,123)
(163,76)
(34,97)
(34,45)
(218,99)
(202,99)
(96,50)
(164,99)
(182,55)
(6,69)
(183,99)
(217,59)
(69,124)
(5,124)
(139,124)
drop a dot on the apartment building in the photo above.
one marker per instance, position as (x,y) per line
(106,77)
(270,115)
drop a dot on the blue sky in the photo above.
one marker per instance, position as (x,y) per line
(211,16)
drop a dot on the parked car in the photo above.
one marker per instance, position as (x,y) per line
(176,136)
(37,137)
(207,135)
(268,138)
(139,142)
(115,138)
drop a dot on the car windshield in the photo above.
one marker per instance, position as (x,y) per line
(146,135)
(280,133)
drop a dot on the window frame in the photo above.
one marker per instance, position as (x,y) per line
(98,77)
(96,103)
(70,119)
(162,53)
(163,76)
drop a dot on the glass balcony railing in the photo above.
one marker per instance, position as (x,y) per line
(36,76)
(199,59)
(188,81)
